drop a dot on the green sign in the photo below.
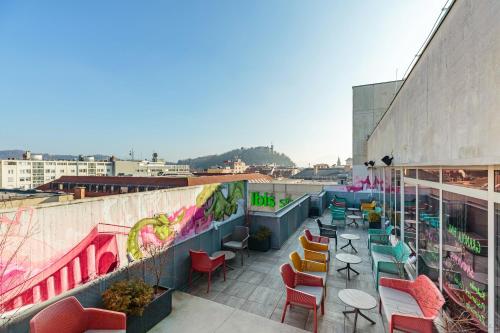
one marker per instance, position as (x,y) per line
(267,200)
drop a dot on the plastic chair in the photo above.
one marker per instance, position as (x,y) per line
(326,230)
(237,240)
(203,263)
(303,290)
(68,316)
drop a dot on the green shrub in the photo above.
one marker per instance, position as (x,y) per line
(128,296)
(373,217)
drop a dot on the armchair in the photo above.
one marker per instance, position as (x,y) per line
(67,315)
(201,262)
(379,236)
(237,241)
(329,231)
(318,269)
(338,212)
(315,251)
(303,290)
(385,258)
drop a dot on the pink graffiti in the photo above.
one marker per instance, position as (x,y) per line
(463,265)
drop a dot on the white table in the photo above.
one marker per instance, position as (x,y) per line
(349,238)
(359,300)
(348,259)
(354,219)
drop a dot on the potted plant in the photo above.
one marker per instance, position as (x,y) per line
(374,220)
(144,305)
(261,240)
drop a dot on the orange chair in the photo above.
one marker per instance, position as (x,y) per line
(315,251)
(203,263)
(68,316)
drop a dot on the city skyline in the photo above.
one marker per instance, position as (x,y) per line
(191,80)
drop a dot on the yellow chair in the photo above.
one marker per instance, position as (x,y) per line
(315,251)
(309,267)
(368,206)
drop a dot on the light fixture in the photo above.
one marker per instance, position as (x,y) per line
(372,163)
(387,160)
(366,164)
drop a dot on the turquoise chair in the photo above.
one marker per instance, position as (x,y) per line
(385,258)
(338,213)
(379,236)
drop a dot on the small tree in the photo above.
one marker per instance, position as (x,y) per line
(155,260)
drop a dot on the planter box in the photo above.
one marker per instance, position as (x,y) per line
(259,245)
(159,308)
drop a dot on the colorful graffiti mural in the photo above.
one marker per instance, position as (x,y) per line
(215,203)
(49,249)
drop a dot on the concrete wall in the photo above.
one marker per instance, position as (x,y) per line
(448,110)
(369,102)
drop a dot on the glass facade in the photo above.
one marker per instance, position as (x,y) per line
(466,177)
(410,173)
(428,232)
(431,175)
(497,263)
(465,253)
(388,193)
(410,220)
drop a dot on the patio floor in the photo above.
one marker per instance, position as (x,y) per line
(257,287)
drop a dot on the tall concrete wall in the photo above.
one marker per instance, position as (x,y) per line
(369,102)
(448,110)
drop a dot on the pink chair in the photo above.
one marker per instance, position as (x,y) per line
(203,263)
(68,316)
(303,290)
(316,239)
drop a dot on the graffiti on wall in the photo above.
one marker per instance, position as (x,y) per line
(69,245)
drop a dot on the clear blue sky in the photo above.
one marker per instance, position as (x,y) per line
(186,78)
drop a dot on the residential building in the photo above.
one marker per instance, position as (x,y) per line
(147,168)
(33,172)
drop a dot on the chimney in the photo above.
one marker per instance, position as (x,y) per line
(79,192)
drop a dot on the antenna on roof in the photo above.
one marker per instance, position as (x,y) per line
(131,154)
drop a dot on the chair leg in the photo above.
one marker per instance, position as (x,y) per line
(224,270)
(241,254)
(315,319)
(190,277)
(209,280)
(284,312)
(323,306)
(248,252)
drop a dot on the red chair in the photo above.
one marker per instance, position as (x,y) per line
(203,263)
(316,239)
(410,306)
(304,290)
(68,316)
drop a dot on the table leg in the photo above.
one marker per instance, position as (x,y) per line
(356,312)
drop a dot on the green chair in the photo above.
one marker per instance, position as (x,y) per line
(385,258)
(338,212)
(379,236)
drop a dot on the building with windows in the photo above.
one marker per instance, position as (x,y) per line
(148,168)
(33,172)
(441,190)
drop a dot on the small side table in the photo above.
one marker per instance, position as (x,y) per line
(359,300)
(353,210)
(349,238)
(228,255)
(348,259)
(354,219)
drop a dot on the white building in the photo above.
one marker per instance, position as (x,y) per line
(31,173)
(148,168)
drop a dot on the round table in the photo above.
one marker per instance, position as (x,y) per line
(349,238)
(228,255)
(359,300)
(348,259)
(354,219)
(353,210)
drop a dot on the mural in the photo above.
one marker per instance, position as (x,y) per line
(49,249)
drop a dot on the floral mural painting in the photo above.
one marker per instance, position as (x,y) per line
(215,202)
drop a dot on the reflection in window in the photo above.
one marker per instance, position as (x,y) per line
(428,232)
(431,175)
(497,180)
(465,254)
(411,173)
(410,223)
(397,202)
(388,184)
(466,177)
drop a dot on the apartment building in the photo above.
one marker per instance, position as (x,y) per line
(148,168)
(33,172)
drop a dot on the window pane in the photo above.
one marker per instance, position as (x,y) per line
(388,190)
(466,177)
(410,222)
(497,180)
(411,173)
(497,263)
(428,232)
(465,253)
(429,174)
(397,202)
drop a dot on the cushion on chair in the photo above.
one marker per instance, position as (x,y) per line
(377,257)
(234,245)
(397,301)
(318,274)
(315,291)
(327,253)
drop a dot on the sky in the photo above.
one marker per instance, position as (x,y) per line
(191,78)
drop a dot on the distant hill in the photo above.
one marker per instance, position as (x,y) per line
(255,155)
(18,154)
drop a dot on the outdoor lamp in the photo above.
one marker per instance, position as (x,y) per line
(372,163)
(387,160)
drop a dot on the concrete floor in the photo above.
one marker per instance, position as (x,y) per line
(257,287)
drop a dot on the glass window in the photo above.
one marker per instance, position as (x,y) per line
(411,173)
(428,232)
(465,254)
(497,262)
(397,202)
(466,177)
(431,175)
(497,180)
(388,193)
(410,219)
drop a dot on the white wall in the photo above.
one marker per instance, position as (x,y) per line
(448,110)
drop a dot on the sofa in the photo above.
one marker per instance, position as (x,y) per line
(410,306)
